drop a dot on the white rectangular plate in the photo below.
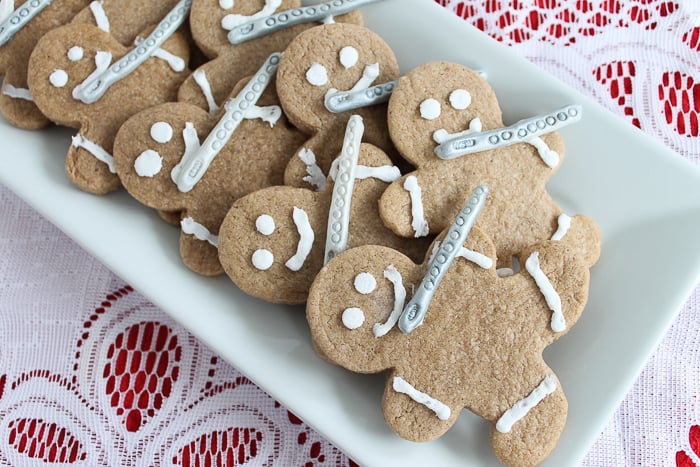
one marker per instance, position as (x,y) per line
(645,198)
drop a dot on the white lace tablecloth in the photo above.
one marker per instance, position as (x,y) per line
(91,373)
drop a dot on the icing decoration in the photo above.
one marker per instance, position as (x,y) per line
(194,164)
(505,272)
(430,109)
(161,132)
(13,20)
(349,56)
(328,20)
(288,18)
(394,276)
(263,259)
(342,101)
(17,93)
(416,309)
(231,21)
(315,175)
(564,223)
(148,164)
(177,64)
(442,411)
(353,318)
(460,99)
(102,63)
(385,173)
(549,157)
(532,264)
(100,16)
(58,78)
(317,75)
(191,227)
(265,224)
(521,131)
(98,83)
(306,239)
(200,77)
(365,283)
(419,224)
(226,4)
(75,53)
(79,141)
(523,406)
(440,136)
(475,257)
(339,214)
(270,114)
(369,74)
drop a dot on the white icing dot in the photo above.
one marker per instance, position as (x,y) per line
(161,132)
(148,163)
(265,224)
(59,78)
(75,53)
(460,99)
(353,318)
(317,75)
(349,56)
(226,4)
(430,109)
(365,283)
(262,259)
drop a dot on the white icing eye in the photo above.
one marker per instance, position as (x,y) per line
(226,4)
(365,283)
(430,109)
(460,99)
(263,259)
(265,224)
(148,163)
(161,132)
(317,75)
(353,318)
(58,78)
(349,56)
(75,54)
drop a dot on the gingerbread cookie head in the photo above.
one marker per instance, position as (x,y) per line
(477,343)
(177,158)
(326,59)
(273,242)
(439,103)
(83,78)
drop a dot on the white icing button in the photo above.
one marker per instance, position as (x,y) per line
(226,4)
(148,164)
(262,259)
(317,75)
(349,56)
(430,109)
(59,78)
(460,99)
(365,283)
(265,224)
(353,318)
(161,132)
(75,54)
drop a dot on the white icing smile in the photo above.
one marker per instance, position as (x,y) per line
(440,136)
(394,276)
(306,239)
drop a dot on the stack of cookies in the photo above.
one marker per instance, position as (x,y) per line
(295,158)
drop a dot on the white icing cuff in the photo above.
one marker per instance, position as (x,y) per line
(549,157)
(100,16)
(402,386)
(523,406)
(419,224)
(200,77)
(231,21)
(315,175)
(563,225)
(79,141)
(532,264)
(17,93)
(191,227)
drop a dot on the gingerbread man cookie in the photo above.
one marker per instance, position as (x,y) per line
(320,61)
(21,26)
(83,78)
(272,242)
(438,103)
(452,334)
(213,24)
(177,158)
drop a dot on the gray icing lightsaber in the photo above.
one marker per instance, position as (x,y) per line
(20,17)
(339,214)
(519,132)
(268,25)
(93,88)
(415,310)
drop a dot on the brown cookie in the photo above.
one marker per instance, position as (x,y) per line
(16,102)
(479,346)
(64,69)
(336,56)
(151,144)
(437,101)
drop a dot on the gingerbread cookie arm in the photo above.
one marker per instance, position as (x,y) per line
(199,243)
